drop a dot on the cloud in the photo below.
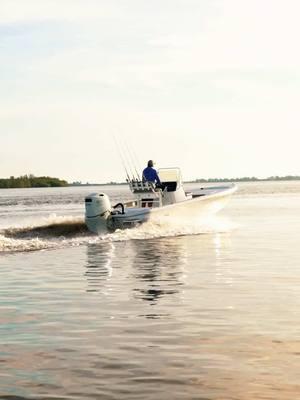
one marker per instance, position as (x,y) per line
(215,80)
(16,11)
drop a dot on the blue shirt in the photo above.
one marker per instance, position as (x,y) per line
(150,175)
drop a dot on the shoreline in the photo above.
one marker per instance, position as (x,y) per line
(296,179)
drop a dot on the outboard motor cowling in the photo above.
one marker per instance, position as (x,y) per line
(97,210)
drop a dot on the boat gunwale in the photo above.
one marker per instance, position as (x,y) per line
(226,191)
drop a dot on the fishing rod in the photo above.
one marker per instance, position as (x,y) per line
(121,157)
(136,159)
(128,158)
(133,163)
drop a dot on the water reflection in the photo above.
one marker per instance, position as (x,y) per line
(158,268)
(222,247)
(99,269)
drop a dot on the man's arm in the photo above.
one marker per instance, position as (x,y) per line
(143,175)
(157,178)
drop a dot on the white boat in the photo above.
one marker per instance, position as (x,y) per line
(154,204)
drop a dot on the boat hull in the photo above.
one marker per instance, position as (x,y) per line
(203,204)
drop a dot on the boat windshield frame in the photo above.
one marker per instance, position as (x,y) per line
(171,174)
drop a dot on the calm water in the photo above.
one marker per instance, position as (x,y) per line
(209,310)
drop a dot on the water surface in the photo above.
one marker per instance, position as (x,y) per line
(202,311)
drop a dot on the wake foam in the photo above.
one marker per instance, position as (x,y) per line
(65,229)
(152,230)
(52,232)
(58,232)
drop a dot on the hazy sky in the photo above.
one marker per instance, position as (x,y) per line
(212,86)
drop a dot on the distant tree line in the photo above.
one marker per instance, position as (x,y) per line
(251,179)
(31,181)
(284,178)
(210,180)
(79,183)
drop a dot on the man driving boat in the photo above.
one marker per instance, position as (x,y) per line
(150,174)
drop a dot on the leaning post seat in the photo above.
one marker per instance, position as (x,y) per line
(146,193)
(137,186)
(170,186)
